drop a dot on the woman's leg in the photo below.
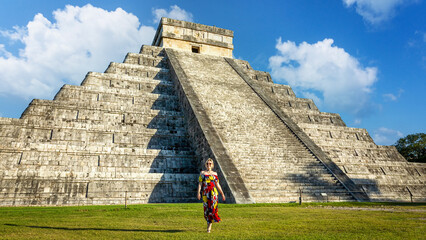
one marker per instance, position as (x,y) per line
(209,227)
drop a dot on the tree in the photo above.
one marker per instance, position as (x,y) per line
(413,147)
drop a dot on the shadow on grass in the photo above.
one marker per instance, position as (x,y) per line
(95,229)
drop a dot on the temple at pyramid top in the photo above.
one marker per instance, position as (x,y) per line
(194,37)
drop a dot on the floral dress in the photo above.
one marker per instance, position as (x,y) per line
(210,197)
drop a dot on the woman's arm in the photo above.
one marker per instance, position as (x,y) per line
(220,190)
(198,191)
(199,187)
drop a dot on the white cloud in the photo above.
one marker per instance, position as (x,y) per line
(389,97)
(344,84)
(386,136)
(3,51)
(392,97)
(175,13)
(80,39)
(16,34)
(376,11)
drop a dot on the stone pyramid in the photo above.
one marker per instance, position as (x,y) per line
(141,130)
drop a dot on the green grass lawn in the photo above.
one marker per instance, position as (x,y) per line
(185,221)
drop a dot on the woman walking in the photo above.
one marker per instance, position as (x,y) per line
(209,184)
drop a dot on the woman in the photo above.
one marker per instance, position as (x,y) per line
(209,181)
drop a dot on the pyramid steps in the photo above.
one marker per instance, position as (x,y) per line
(149,123)
(152,51)
(134,100)
(83,172)
(43,107)
(139,130)
(107,94)
(122,130)
(146,163)
(152,188)
(138,70)
(257,141)
(144,59)
(370,166)
(119,81)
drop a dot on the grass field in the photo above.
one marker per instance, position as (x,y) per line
(185,221)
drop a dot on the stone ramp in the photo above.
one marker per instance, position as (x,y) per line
(204,137)
(262,149)
(120,131)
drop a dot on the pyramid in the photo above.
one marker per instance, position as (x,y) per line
(140,131)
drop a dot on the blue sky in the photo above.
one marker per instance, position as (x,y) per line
(364,59)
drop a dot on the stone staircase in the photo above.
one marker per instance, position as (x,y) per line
(379,171)
(274,165)
(121,133)
(281,173)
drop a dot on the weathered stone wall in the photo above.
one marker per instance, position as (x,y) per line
(186,35)
(203,48)
(121,131)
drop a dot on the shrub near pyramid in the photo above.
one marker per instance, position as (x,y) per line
(141,130)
